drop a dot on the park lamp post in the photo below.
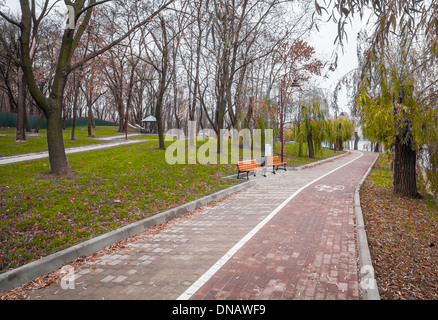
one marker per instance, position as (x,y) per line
(294,85)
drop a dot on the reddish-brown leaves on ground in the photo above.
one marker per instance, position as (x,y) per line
(403,241)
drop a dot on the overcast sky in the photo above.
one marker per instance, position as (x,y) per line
(323,41)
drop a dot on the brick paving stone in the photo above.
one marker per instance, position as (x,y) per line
(314,235)
(305,251)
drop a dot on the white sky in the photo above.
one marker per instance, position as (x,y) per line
(323,42)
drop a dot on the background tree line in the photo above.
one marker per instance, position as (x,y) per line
(223,63)
(215,62)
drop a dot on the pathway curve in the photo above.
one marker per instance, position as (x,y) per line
(290,236)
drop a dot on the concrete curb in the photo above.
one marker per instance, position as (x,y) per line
(309,165)
(368,284)
(17,277)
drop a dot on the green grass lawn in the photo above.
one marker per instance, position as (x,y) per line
(8,147)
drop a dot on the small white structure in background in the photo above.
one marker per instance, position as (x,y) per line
(147,125)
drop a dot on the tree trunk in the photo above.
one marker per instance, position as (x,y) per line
(405,161)
(159,106)
(356,141)
(220,122)
(89,122)
(121,109)
(40,122)
(162,86)
(377,147)
(160,121)
(405,155)
(59,164)
(73,126)
(340,144)
(75,112)
(310,146)
(20,127)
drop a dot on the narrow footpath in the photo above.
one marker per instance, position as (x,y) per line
(113,141)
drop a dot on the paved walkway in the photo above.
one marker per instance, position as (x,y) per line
(291,236)
(86,148)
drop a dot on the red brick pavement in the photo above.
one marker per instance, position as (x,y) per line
(306,251)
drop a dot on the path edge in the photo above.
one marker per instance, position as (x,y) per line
(368,284)
(31,271)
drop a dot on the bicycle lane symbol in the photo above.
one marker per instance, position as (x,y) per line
(324,188)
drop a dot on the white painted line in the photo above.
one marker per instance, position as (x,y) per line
(221,262)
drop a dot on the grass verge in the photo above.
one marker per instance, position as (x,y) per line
(8,147)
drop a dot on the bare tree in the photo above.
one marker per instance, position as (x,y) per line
(29,25)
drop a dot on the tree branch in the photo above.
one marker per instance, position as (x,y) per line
(10,20)
(116,42)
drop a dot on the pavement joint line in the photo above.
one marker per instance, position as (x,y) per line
(222,261)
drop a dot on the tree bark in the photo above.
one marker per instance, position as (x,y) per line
(340,144)
(89,122)
(40,122)
(310,146)
(75,111)
(377,147)
(162,84)
(356,141)
(59,164)
(405,162)
(20,127)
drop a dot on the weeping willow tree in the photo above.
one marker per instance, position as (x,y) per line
(310,128)
(404,124)
(338,131)
(397,84)
(377,116)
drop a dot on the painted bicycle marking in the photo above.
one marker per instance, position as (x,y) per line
(324,188)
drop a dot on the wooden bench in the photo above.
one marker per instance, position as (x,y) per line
(276,162)
(248,166)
